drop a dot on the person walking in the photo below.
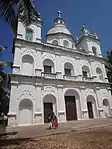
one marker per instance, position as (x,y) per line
(54,121)
(49,122)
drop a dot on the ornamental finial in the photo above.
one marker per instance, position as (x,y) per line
(59,14)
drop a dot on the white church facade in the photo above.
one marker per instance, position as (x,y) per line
(65,75)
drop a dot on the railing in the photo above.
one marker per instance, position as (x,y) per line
(48,75)
(87,79)
(69,77)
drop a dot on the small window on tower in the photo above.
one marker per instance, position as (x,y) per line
(67,72)
(84,73)
(94,50)
(55,42)
(47,69)
(65,43)
(29,34)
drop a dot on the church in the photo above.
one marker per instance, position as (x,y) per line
(65,75)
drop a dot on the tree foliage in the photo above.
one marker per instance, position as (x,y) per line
(4,88)
(10,9)
(108,65)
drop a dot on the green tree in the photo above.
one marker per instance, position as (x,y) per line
(4,86)
(108,65)
(10,10)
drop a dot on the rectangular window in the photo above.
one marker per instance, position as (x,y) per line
(67,71)
(47,69)
(84,73)
(29,35)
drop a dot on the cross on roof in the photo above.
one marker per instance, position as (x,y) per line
(59,14)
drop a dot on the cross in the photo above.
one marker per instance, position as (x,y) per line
(59,14)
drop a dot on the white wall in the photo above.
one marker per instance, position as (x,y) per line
(36,28)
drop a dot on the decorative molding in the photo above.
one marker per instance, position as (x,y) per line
(16,69)
(29,52)
(50,56)
(97,88)
(26,94)
(11,114)
(49,89)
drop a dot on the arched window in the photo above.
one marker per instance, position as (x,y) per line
(99,73)
(29,34)
(94,50)
(65,43)
(68,68)
(85,72)
(55,42)
(27,65)
(48,66)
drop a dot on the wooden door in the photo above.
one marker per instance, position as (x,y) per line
(71,111)
(90,109)
(48,110)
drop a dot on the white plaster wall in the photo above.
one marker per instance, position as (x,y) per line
(87,44)
(36,27)
(60,39)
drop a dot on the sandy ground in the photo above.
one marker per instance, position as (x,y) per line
(91,139)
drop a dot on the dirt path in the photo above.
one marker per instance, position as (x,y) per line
(91,139)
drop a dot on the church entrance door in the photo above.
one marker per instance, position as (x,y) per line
(71,111)
(48,110)
(90,109)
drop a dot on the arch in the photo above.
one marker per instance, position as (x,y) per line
(66,43)
(85,71)
(72,104)
(94,50)
(48,66)
(91,105)
(106,108)
(68,69)
(99,73)
(25,112)
(49,103)
(55,42)
(27,65)
(29,34)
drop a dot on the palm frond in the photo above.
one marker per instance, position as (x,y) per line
(7,12)
(28,12)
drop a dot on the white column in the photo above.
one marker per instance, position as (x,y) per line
(93,69)
(99,102)
(78,107)
(38,64)
(13,106)
(61,105)
(84,103)
(103,70)
(59,66)
(17,58)
(79,70)
(38,110)
(110,97)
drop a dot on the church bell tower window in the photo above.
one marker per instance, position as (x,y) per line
(29,35)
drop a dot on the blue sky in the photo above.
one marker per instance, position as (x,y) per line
(96,14)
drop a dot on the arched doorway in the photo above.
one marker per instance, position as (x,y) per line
(91,105)
(106,108)
(49,103)
(72,104)
(25,112)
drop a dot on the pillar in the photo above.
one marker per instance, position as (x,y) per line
(83,103)
(99,102)
(61,105)
(38,110)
